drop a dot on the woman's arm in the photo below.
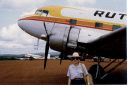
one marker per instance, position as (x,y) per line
(69,81)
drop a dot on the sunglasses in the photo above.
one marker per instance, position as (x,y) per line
(77,58)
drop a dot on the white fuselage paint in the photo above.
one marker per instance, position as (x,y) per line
(89,34)
(36,28)
(88,14)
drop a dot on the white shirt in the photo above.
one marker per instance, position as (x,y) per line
(78,71)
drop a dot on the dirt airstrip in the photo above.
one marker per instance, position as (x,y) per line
(26,72)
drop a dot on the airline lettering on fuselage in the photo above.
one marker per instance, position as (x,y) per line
(109,14)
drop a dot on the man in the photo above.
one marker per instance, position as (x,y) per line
(77,72)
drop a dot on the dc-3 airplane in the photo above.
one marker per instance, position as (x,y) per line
(90,31)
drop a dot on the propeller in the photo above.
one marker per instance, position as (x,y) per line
(62,55)
(46,52)
(47,42)
(46,47)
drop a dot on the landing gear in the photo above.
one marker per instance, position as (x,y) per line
(97,72)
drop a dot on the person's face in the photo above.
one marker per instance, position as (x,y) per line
(76,60)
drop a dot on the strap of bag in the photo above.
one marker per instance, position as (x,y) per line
(82,68)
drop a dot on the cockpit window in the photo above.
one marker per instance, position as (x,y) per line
(39,12)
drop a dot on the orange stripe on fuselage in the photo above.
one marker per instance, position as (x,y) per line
(83,23)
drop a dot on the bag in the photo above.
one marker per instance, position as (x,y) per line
(89,77)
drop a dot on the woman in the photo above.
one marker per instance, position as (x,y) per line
(77,72)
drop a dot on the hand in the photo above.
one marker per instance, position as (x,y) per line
(88,83)
(69,81)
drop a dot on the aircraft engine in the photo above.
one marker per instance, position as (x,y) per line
(64,40)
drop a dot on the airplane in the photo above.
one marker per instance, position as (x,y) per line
(95,32)
(34,56)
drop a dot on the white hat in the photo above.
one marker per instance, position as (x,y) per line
(75,54)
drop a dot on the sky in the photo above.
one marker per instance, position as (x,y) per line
(15,41)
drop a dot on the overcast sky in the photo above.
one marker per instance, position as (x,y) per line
(14,40)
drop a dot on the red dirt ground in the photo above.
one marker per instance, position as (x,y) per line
(32,73)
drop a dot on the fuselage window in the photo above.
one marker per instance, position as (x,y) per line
(116,27)
(39,12)
(98,25)
(72,22)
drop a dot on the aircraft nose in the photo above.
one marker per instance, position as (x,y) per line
(34,28)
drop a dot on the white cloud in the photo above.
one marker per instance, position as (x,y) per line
(28,13)
(80,2)
(20,3)
(13,37)
(14,40)
(11,45)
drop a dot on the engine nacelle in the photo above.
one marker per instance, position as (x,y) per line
(64,39)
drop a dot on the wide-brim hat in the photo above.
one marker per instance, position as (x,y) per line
(75,54)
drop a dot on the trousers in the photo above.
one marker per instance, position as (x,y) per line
(80,81)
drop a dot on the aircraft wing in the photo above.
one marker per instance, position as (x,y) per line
(112,45)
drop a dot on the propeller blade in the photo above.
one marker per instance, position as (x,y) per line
(47,43)
(61,57)
(61,60)
(46,52)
